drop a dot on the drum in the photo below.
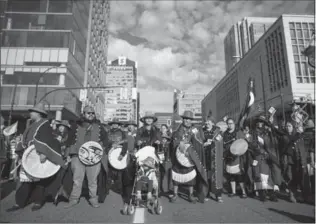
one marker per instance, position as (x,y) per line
(183,159)
(90,153)
(114,161)
(32,165)
(239,147)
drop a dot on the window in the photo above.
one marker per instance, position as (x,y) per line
(24,78)
(297,69)
(36,39)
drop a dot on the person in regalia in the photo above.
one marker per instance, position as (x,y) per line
(235,165)
(164,154)
(213,157)
(148,134)
(88,129)
(38,134)
(189,140)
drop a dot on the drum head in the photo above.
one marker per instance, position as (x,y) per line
(183,159)
(90,153)
(32,165)
(113,159)
(239,147)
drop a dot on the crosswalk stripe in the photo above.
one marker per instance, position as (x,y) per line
(139,216)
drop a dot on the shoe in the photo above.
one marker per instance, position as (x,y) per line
(174,198)
(273,198)
(94,204)
(14,208)
(72,203)
(292,198)
(231,195)
(244,196)
(192,199)
(37,207)
(220,200)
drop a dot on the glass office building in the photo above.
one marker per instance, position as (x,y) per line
(48,42)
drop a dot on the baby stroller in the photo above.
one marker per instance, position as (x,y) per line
(142,201)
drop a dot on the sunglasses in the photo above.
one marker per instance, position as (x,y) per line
(230,123)
(90,113)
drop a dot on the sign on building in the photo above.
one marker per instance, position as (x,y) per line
(122,61)
(83,95)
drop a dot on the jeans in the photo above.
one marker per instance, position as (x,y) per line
(79,171)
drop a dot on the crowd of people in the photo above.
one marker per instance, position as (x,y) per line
(266,159)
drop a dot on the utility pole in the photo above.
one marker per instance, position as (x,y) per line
(263,87)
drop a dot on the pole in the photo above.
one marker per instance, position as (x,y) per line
(12,104)
(263,88)
(38,81)
(283,110)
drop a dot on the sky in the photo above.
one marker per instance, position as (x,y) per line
(180,44)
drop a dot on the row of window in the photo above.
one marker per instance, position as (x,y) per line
(39,6)
(276,61)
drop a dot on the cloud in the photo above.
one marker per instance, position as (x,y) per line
(180,44)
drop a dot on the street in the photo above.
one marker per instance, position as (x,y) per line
(233,210)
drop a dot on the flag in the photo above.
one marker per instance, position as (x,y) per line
(249,102)
(10,130)
(46,144)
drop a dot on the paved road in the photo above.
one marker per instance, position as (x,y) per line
(233,210)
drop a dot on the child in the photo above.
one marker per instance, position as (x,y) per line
(146,175)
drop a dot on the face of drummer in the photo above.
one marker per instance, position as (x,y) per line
(131,128)
(187,122)
(114,126)
(209,124)
(231,124)
(89,113)
(149,121)
(246,130)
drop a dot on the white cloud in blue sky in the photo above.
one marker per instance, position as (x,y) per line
(179,44)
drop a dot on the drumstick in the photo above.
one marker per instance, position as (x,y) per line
(13,171)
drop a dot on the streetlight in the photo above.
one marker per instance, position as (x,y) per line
(39,79)
(76,88)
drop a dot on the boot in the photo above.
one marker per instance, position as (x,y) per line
(174,198)
(192,199)
(72,203)
(37,207)
(292,197)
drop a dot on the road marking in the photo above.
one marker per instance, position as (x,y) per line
(139,216)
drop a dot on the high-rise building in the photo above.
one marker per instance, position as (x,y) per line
(183,101)
(279,70)
(49,44)
(121,101)
(242,36)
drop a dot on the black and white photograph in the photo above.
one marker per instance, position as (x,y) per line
(157,111)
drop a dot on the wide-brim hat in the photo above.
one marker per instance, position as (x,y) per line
(149,115)
(261,118)
(115,121)
(165,136)
(40,108)
(64,123)
(188,115)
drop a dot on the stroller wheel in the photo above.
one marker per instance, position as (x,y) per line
(130,210)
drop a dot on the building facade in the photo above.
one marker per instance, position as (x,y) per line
(121,101)
(164,118)
(242,36)
(278,68)
(47,44)
(183,101)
